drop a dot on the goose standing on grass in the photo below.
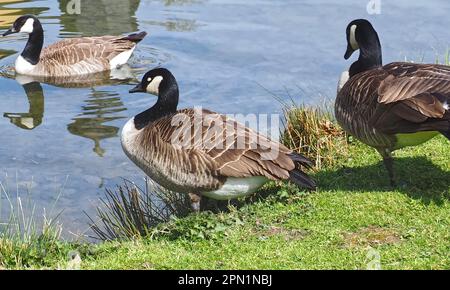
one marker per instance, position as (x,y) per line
(220,158)
(394,106)
(77,56)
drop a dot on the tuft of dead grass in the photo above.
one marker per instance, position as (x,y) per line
(314,133)
(286,234)
(372,236)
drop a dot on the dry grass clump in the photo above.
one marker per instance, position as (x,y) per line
(314,133)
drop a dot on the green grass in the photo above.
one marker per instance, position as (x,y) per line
(332,228)
(352,218)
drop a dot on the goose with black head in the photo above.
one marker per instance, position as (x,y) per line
(393,106)
(204,163)
(70,57)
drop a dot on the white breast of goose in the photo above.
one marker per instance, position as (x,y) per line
(131,148)
(23,66)
(237,187)
(128,136)
(128,139)
(345,76)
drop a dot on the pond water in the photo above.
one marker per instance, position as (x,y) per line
(230,56)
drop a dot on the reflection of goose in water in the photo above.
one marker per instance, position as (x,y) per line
(101,107)
(181,2)
(9,15)
(118,16)
(122,75)
(118,76)
(100,17)
(4,53)
(176,24)
(33,118)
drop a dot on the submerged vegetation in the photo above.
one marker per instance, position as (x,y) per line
(354,221)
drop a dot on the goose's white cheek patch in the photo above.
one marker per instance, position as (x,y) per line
(153,86)
(353,41)
(28,27)
(446,106)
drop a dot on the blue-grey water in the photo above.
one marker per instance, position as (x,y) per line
(228,55)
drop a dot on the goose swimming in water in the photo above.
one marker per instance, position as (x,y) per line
(77,56)
(202,164)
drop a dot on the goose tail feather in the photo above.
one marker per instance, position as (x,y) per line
(303,161)
(136,37)
(301,179)
(297,176)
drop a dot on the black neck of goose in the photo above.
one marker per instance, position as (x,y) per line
(33,49)
(370,56)
(166,105)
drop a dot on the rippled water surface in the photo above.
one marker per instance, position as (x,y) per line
(230,56)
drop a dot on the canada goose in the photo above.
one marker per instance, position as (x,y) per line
(203,165)
(394,106)
(70,57)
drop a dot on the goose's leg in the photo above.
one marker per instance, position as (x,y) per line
(215,206)
(209,204)
(196,201)
(389,164)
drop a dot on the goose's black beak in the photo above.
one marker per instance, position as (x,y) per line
(10,31)
(137,89)
(349,52)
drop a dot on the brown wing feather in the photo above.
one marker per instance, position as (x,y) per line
(176,168)
(396,98)
(407,81)
(413,96)
(72,51)
(227,147)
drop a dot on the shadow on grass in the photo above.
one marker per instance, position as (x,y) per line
(416,177)
(273,192)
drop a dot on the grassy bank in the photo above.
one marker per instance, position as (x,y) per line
(354,221)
